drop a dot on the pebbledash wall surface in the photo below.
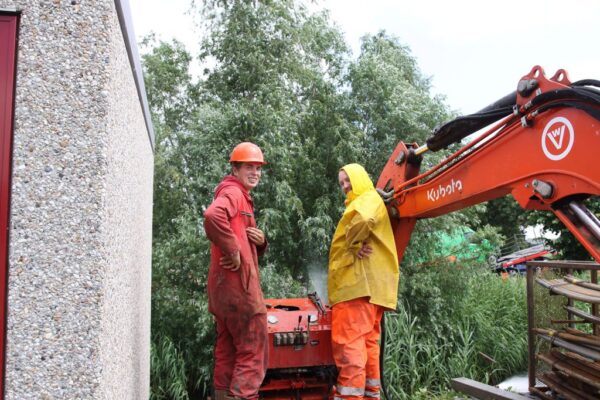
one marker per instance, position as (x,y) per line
(79,247)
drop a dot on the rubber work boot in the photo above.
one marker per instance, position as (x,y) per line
(220,394)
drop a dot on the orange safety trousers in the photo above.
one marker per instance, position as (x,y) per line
(355,333)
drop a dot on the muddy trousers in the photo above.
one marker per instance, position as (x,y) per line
(355,332)
(241,353)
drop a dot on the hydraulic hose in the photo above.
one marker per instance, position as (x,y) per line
(590,110)
(587,82)
(461,127)
(575,93)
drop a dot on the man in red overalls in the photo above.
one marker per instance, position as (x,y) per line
(234,294)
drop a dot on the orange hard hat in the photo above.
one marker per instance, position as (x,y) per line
(247,152)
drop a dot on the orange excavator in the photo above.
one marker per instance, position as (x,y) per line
(538,143)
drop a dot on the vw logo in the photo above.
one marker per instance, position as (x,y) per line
(558,138)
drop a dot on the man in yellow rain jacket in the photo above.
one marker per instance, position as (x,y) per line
(363,282)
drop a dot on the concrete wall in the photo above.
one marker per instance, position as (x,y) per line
(80,240)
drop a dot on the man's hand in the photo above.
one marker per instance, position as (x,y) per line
(231,262)
(256,236)
(365,250)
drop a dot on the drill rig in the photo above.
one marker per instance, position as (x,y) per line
(538,144)
(301,364)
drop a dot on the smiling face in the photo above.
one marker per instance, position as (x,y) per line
(344,181)
(248,173)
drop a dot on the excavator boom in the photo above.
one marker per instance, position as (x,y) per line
(542,149)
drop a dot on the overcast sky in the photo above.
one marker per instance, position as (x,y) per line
(474,51)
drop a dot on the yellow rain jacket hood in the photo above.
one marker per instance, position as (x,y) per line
(365,219)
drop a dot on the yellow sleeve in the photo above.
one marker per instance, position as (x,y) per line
(359,229)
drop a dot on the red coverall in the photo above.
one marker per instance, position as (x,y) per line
(235,298)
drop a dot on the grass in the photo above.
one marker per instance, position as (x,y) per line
(168,372)
(485,339)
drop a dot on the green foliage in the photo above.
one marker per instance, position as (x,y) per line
(167,369)
(391,99)
(171,97)
(566,244)
(506,214)
(499,323)
(181,324)
(281,77)
(276,82)
(484,315)
(277,285)
(490,234)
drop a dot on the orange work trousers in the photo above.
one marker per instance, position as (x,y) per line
(241,354)
(355,332)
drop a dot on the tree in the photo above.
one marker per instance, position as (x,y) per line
(505,214)
(172,98)
(566,245)
(391,99)
(279,77)
(276,82)
(180,321)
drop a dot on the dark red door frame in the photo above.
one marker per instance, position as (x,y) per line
(8,46)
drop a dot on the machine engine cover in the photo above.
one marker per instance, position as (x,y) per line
(299,334)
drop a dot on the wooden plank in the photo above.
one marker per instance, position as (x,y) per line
(575,348)
(540,393)
(530,326)
(572,291)
(582,314)
(482,391)
(581,282)
(577,371)
(565,264)
(565,390)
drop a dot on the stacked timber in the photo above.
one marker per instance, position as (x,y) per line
(574,358)
(573,288)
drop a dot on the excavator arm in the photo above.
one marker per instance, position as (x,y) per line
(541,144)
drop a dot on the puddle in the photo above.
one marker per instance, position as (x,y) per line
(517,383)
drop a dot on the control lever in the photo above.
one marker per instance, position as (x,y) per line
(314,297)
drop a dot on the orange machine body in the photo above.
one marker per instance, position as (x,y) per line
(301,364)
(543,153)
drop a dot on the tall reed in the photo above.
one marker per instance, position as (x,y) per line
(485,337)
(167,371)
